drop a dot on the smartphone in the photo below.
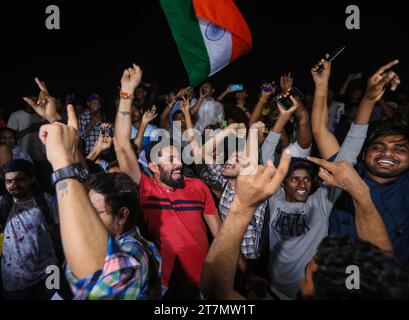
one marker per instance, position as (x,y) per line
(284,102)
(236,87)
(331,58)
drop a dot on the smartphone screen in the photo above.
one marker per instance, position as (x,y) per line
(285,102)
(237,87)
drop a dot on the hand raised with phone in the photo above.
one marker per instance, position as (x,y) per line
(321,71)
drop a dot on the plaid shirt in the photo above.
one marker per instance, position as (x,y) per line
(250,247)
(132,270)
(91,137)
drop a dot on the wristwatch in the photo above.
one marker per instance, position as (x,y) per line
(72,171)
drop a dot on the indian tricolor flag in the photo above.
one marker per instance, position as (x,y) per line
(209,34)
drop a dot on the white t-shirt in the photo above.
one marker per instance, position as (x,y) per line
(21,120)
(210,112)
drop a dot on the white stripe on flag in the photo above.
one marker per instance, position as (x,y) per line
(218,43)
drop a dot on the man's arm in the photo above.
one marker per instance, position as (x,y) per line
(326,142)
(203,95)
(126,156)
(266,92)
(225,93)
(304,133)
(214,223)
(369,223)
(86,252)
(271,141)
(147,117)
(376,88)
(220,266)
(164,117)
(103,143)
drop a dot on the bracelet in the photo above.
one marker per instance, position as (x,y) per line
(125,95)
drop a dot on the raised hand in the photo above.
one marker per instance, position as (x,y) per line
(286,83)
(288,113)
(45,106)
(322,77)
(253,189)
(61,141)
(104,142)
(131,79)
(267,90)
(149,115)
(378,82)
(341,175)
(185,105)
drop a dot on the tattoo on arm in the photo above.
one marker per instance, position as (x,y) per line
(62,187)
(346,184)
(124,113)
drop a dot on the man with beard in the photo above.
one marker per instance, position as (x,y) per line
(173,205)
(29,240)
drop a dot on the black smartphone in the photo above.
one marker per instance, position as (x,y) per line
(331,58)
(285,102)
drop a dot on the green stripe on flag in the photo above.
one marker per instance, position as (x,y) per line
(189,40)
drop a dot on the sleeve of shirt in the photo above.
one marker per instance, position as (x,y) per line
(12,123)
(298,152)
(269,146)
(209,207)
(349,151)
(121,277)
(352,144)
(215,173)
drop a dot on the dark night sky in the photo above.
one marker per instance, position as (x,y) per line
(98,40)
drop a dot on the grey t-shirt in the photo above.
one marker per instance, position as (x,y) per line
(28,248)
(297,228)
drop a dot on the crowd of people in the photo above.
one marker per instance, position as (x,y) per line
(192,196)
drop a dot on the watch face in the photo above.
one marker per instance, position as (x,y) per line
(81,172)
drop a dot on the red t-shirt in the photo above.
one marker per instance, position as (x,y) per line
(175,221)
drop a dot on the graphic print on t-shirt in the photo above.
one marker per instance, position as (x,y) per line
(290,224)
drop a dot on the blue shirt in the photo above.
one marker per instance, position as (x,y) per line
(392,202)
(146,141)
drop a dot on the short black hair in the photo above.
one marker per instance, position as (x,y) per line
(385,128)
(119,191)
(381,275)
(18,165)
(299,163)
(176,113)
